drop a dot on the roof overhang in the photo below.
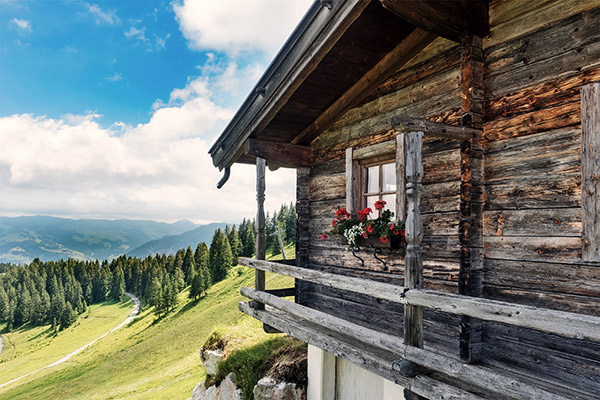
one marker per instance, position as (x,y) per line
(338,53)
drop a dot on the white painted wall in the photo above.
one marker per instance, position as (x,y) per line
(332,378)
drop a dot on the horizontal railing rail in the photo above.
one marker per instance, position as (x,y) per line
(482,376)
(567,324)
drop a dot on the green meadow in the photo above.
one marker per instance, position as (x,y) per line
(147,359)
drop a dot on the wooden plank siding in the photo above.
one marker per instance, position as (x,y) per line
(419,89)
(529,240)
(538,56)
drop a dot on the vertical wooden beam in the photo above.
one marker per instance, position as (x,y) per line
(352,171)
(259,277)
(400,179)
(302,225)
(413,273)
(590,171)
(471,199)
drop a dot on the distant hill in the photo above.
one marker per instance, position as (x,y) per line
(49,238)
(170,244)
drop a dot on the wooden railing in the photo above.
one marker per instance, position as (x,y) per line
(567,324)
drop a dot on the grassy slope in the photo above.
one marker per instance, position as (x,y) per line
(148,359)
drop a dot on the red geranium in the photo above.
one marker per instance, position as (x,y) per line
(323,236)
(364,234)
(370,229)
(396,232)
(379,204)
(384,239)
(333,223)
(402,232)
(392,226)
(364,213)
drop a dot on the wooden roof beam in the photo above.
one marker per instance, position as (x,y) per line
(278,154)
(406,124)
(400,55)
(451,19)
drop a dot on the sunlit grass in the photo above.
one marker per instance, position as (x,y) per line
(149,358)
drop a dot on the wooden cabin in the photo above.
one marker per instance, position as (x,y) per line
(479,123)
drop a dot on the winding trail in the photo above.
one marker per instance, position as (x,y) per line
(134,313)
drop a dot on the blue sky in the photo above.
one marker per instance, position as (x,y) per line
(107,108)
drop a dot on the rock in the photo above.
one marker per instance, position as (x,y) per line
(199,392)
(268,389)
(210,359)
(228,390)
(202,393)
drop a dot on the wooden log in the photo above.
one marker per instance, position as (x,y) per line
(590,171)
(302,216)
(577,279)
(535,191)
(413,274)
(546,95)
(570,33)
(558,322)
(406,124)
(400,55)
(339,347)
(528,248)
(540,222)
(259,278)
(279,154)
(471,197)
(352,179)
(475,375)
(400,178)
(509,20)
(467,18)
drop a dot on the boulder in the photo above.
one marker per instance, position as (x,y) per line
(210,359)
(228,390)
(202,393)
(268,389)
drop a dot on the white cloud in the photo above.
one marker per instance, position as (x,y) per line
(117,76)
(136,33)
(23,26)
(103,17)
(72,166)
(236,25)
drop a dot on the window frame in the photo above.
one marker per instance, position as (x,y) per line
(364,165)
(392,150)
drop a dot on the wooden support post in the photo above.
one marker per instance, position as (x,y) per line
(400,178)
(352,171)
(590,171)
(413,273)
(471,198)
(259,277)
(302,224)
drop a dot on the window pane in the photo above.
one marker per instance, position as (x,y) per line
(390,202)
(389,177)
(371,203)
(372,179)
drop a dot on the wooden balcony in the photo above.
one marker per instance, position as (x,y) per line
(427,372)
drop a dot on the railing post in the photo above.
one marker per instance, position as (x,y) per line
(413,272)
(259,277)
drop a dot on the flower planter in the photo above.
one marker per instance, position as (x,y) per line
(394,242)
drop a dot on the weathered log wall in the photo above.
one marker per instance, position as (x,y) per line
(429,86)
(537,57)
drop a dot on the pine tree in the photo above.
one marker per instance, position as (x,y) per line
(68,317)
(196,286)
(220,256)
(4,305)
(189,265)
(236,245)
(249,240)
(117,286)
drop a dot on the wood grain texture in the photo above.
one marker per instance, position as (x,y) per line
(590,171)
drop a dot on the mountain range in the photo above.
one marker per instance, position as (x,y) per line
(50,238)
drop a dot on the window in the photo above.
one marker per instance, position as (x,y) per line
(378,183)
(375,173)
